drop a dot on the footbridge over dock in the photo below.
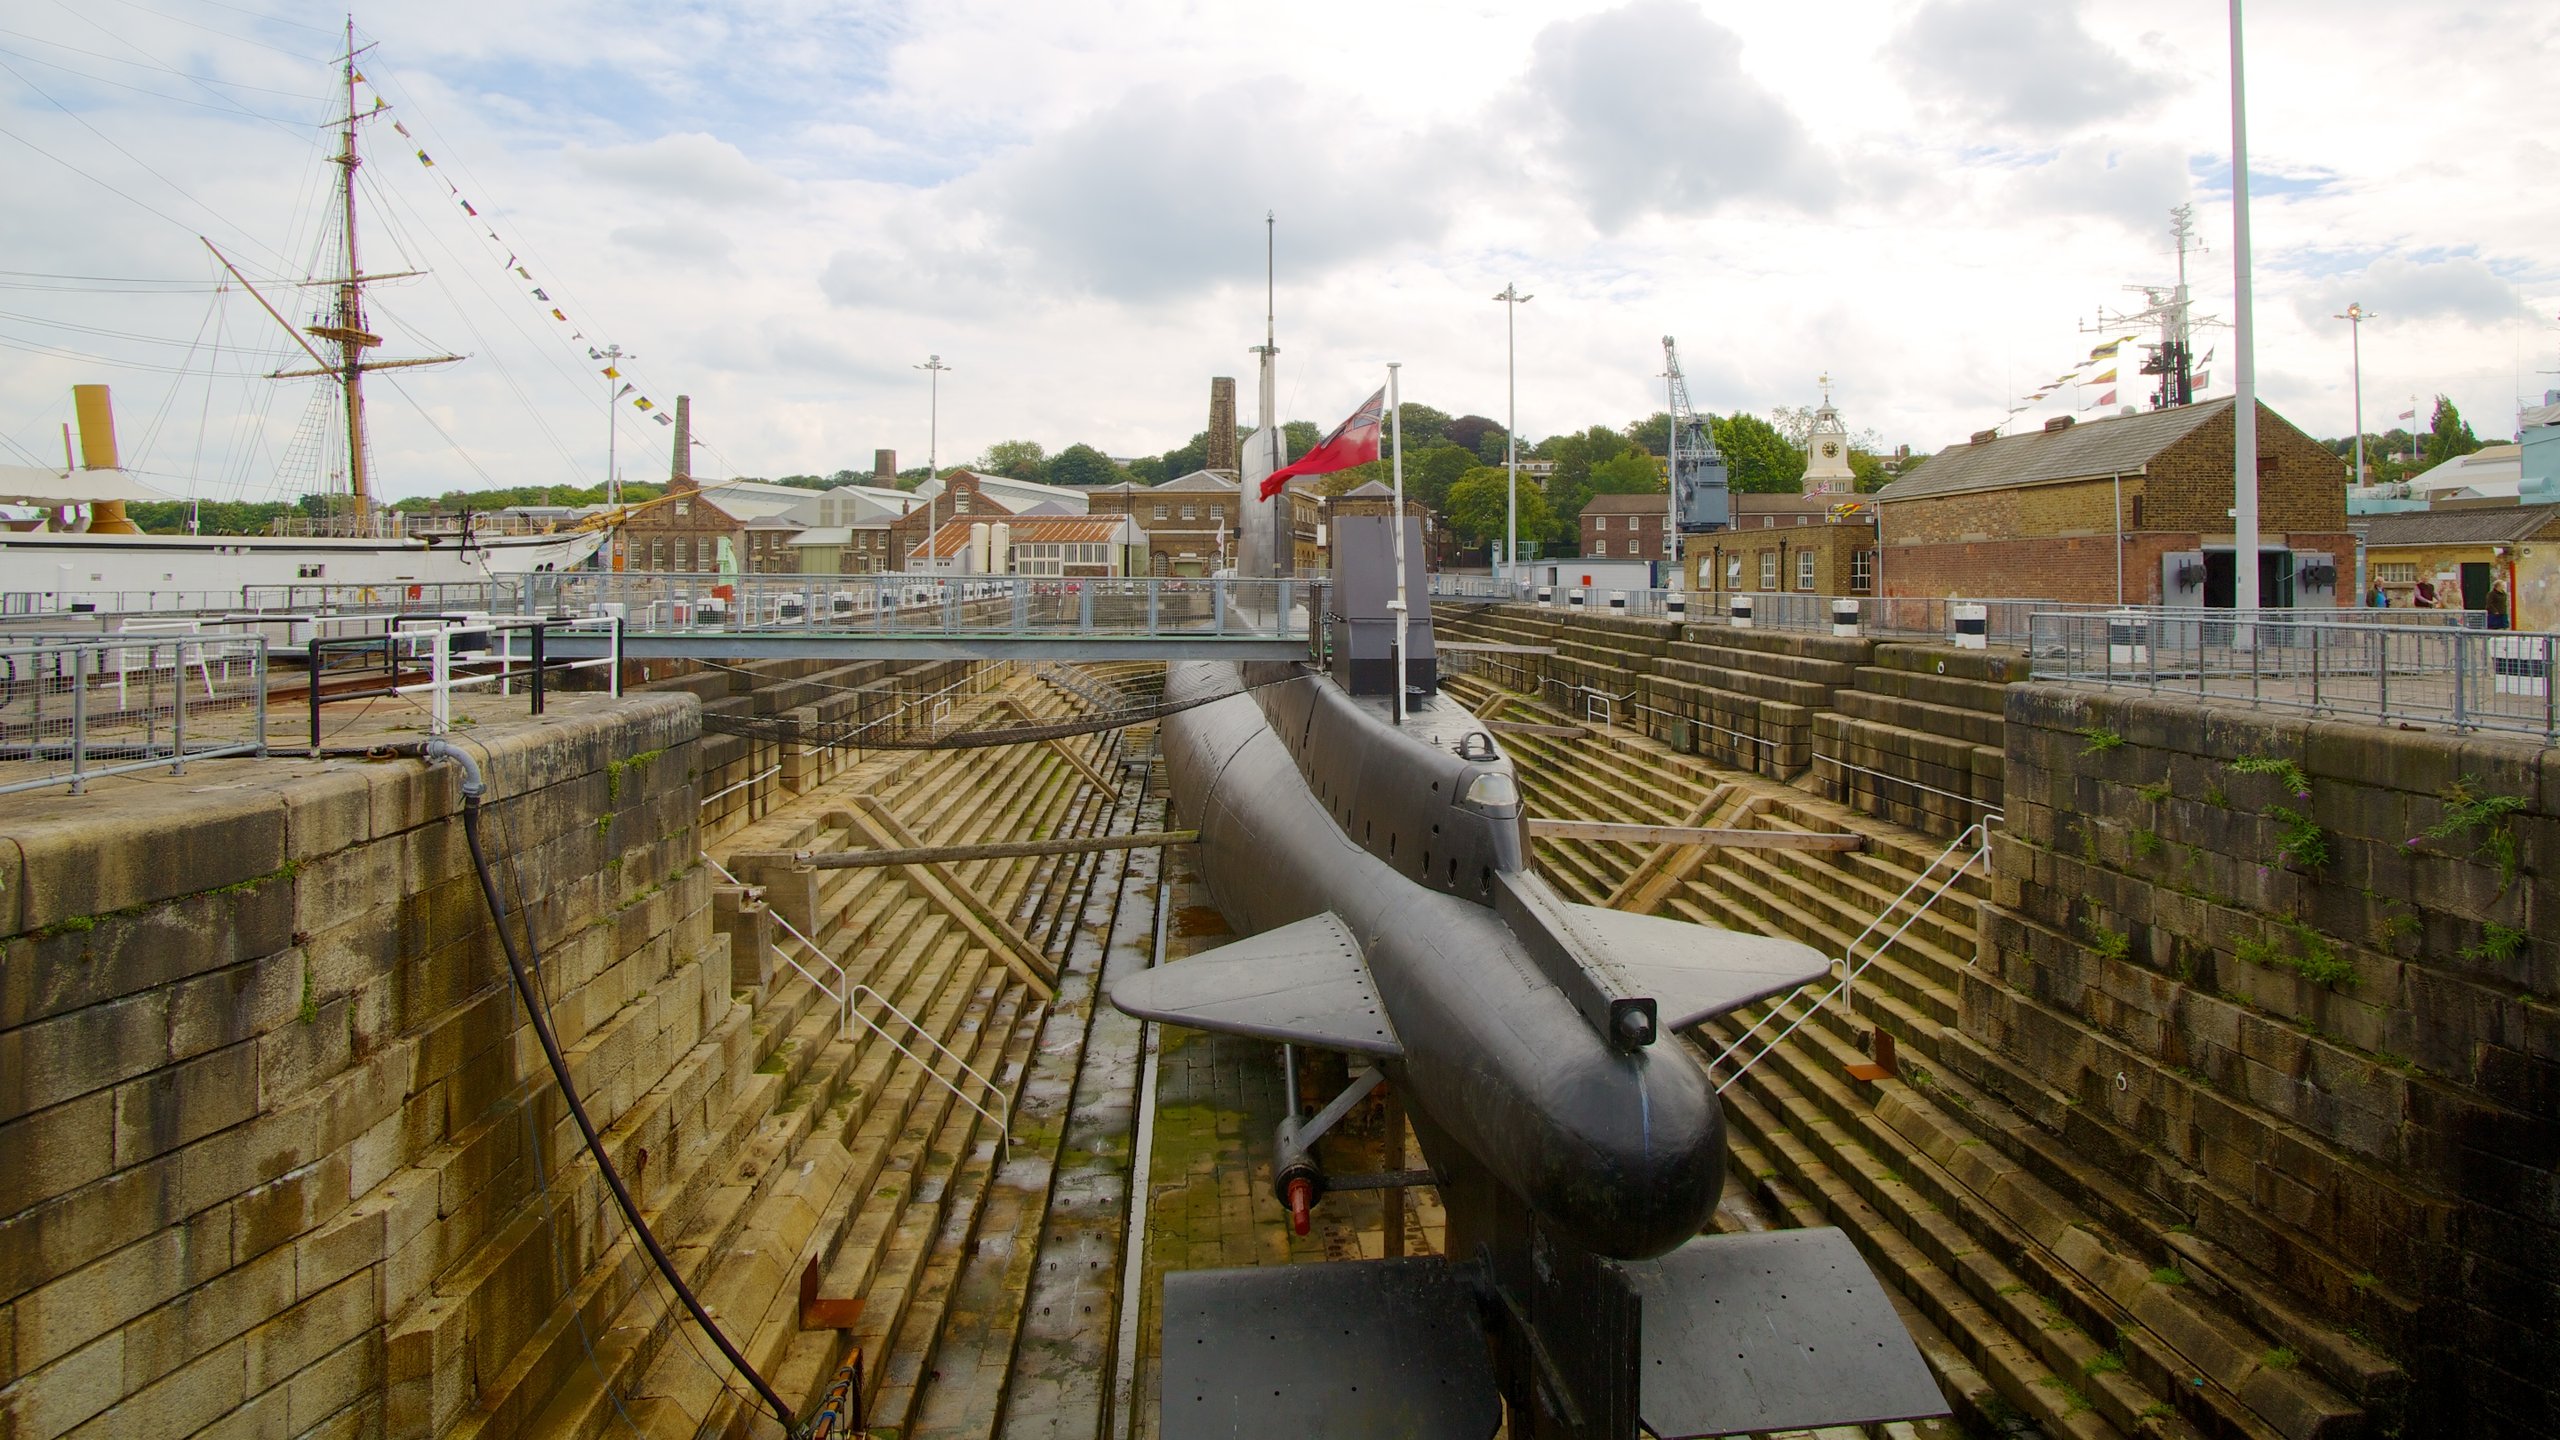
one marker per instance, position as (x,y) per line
(661,616)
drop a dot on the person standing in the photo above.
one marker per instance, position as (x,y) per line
(2425,598)
(2499,612)
(2380,599)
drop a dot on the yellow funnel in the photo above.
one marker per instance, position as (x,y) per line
(98,452)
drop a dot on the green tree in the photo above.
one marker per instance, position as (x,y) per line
(1083,465)
(2448,434)
(1467,432)
(1495,448)
(1758,456)
(1478,508)
(1428,475)
(1423,427)
(1630,472)
(1147,470)
(1017,459)
(1187,457)
(1652,433)
(1869,470)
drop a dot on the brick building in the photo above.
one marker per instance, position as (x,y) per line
(1810,544)
(1190,522)
(1096,546)
(1624,527)
(961,494)
(2044,515)
(2464,549)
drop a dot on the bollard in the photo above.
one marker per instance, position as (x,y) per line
(2128,638)
(1740,616)
(1617,602)
(1577,597)
(1676,605)
(1973,626)
(1547,596)
(1844,617)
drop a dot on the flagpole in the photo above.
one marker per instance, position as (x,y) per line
(1395,408)
(2244,405)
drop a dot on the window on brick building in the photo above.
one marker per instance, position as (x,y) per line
(1218,514)
(1804,570)
(1192,512)
(1164,512)
(657,554)
(1598,547)
(2396,572)
(1862,571)
(1768,569)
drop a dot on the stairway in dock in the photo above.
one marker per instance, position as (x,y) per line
(2041,1289)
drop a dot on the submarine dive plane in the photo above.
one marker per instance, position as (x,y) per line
(1379,874)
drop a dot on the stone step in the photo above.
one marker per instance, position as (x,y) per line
(1947,691)
(1948,722)
(2164,1333)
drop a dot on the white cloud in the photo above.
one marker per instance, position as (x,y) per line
(1650,109)
(688,168)
(2028,64)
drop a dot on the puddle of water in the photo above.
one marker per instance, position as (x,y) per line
(1195,920)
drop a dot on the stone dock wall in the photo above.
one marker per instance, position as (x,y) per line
(2295,984)
(268,1104)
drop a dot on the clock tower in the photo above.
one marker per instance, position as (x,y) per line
(1826,452)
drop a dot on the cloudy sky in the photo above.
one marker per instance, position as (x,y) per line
(781,208)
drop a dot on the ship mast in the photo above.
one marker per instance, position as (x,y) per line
(345,326)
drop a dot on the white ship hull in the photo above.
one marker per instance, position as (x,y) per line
(48,572)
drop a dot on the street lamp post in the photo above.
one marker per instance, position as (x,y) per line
(2355,317)
(934,367)
(1512,300)
(612,356)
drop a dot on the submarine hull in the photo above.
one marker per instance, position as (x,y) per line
(1619,1151)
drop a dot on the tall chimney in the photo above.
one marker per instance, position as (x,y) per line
(680,472)
(884,466)
(1222,426)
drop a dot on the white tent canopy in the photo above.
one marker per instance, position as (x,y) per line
(43,485)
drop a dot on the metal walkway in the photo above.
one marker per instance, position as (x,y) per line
(836,617)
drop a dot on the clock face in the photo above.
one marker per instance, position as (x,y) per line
(1830,449)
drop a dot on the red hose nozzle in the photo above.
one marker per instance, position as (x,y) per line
(1302,1198)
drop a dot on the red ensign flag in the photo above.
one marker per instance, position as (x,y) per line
(1353,442)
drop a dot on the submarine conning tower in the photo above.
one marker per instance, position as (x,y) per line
(1359,603)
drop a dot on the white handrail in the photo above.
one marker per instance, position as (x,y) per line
(1849,970)
(847,1012)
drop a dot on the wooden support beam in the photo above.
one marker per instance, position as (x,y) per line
(1654,876)
(1493,702)
(953,854)
(1524,727)
(1691,835)
(876,821)
(1064,751)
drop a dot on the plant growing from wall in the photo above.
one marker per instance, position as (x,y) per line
(2300,843)
(2110,943)
(2498,945)
(2100,740)
(2157,792)
(2467,810)
(2312,956)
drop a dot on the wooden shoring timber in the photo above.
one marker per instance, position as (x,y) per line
(1662,872)
(1730,839)
(1493,701)
(990,850)
(873,819)
(1064,751)
(1524,727)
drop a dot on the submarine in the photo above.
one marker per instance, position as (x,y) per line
(1371,850)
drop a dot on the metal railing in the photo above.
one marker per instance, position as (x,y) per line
(1977,835)
(454,652)
(2006,620)
(847,989)
(895,603)
(2469,679)
(75,708)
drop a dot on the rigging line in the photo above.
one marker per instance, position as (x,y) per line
(270,19)
(303,95)
(169,395)
(135,336)
(204,421)
(497,362)
(103,279)
(210,30)
(440,430)
(134,200)
(180,190)
(569,298)
(55,352)
(232,109)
